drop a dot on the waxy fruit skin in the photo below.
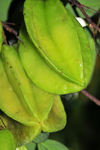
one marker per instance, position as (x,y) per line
(39,71)
(49,114)
(6,140)
(60,40)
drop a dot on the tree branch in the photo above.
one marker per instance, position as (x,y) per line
(11,30)
(80,6)
(91,97)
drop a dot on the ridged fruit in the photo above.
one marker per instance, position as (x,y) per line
(6,140)
(39,71)
(60,39)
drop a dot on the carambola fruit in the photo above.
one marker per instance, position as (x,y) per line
(60,40)
(22,134)
(49,115)
(39,71)
(6,140)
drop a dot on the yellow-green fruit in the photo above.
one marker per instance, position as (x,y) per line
(39,71)
(60,40)
(6,140)
(22,134)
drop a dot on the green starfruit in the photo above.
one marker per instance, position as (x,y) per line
(56,120)
(9,101)
(61,41)
(22,134)
(50,115)
(39,71)
(6,140)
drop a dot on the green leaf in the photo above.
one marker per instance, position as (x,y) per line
(67,51)
(52,145)
(93,4)
(31,146)
(42,137)
(6,140)
(0,35)
(41,147)
(4,7)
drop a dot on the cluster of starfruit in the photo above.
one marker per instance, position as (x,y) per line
(54,58)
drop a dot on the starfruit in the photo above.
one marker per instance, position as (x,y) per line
(6,140)
(22,134)
(55,120)
(39,71)
(48,115)
(9,101)
(60,40)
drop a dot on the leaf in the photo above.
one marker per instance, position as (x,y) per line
(41,147)
(4,7)
(31,146)
(62,56)
(42,137)
(0,35)
(93,4)
(52,145)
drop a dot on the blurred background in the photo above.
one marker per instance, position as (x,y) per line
(82,131)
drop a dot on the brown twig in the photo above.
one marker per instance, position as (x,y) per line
(91,97)
(80,6)
(11,30)
(4,37)
(2,122)
(92,25)
(83,6)
(10,23)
